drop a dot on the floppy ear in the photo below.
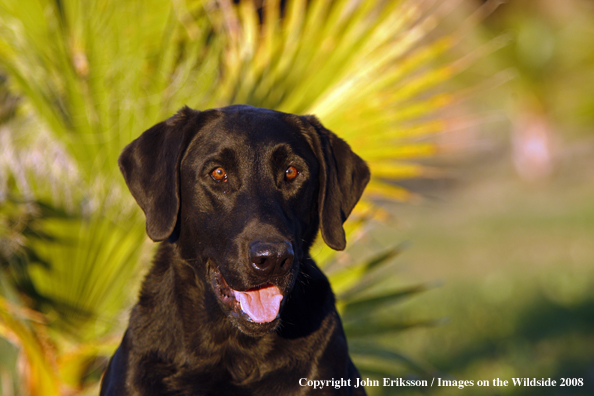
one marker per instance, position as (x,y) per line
(343,177)
(150,165)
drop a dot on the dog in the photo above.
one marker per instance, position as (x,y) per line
(233,303)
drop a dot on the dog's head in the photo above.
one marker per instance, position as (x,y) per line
(242,192)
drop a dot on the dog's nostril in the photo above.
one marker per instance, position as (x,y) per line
(260,261)
(286,264)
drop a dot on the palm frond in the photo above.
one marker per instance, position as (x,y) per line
(369,314)
(39,369)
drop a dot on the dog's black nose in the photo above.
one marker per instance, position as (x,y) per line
(271,258)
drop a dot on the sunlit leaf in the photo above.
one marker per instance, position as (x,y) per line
(39,370)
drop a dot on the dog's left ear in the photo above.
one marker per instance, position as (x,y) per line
(343,177)
(150,165)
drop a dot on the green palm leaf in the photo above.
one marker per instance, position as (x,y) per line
(42,376)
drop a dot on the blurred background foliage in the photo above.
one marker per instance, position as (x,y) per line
(480,112)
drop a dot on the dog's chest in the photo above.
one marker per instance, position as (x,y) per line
(239,379)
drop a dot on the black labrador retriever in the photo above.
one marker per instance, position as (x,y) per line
(233,304)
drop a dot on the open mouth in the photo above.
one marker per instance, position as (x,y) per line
(260,304)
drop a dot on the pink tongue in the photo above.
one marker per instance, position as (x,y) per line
(261,305)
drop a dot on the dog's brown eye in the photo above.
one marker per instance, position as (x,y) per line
(291,173)
(219,175)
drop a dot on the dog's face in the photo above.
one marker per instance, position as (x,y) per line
(242,191)
(248,182)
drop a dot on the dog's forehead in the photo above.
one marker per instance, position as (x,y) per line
(260,126)
(248,128)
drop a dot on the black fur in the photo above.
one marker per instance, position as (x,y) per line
(251,230)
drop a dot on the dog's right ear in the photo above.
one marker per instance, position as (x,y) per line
(150,165)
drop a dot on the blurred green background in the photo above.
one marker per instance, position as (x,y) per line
(471,255)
